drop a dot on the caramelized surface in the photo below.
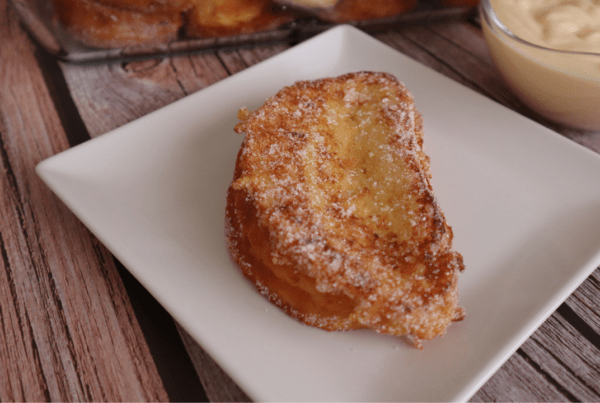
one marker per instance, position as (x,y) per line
(230,17)
(101,25)
(331,213)
(122,23)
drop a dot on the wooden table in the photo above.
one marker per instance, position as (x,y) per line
(75,325)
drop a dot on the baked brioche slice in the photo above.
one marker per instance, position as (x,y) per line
(209,18)
(331,213)
(101,25)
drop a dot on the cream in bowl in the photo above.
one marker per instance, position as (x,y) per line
(549,53)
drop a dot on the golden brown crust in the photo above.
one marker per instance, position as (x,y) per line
(122,23)
(103,26)
(331,213)
(231,17)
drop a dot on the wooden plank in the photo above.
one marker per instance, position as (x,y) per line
(138,88)
(63,317)
(586,300)
(470,38)
(135,90)
(556,364)
(238,60)
(567,357)
(142,87)
(460,52)
(515,381)
(449,56)
(218,385)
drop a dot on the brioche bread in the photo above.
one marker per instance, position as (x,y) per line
(102,25)
(124,23)
(331,213)
(231,17)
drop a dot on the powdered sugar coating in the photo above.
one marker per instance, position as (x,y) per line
(331,213)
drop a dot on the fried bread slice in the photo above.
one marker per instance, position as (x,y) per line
(331,213)
(100,25)
(209,18)
(122,23)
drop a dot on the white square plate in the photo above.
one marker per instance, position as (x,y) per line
(523,201)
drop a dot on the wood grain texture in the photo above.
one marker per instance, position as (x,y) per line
(143,87)
(585,302)
(138,88)
(64,317)
(454,51)
(459,51)
(516,381)
(567,358)
(135,89)
(218,385)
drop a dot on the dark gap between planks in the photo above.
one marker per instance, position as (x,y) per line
(579,324)
(173,363)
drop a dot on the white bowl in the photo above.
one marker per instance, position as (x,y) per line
(562,86)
